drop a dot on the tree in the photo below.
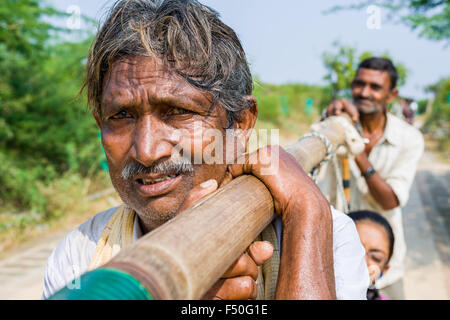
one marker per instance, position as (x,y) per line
(431,18)
(341,69)
(341,65)
(43,131)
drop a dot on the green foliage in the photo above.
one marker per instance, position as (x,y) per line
(431,18)
(422,106)
(439,116)
(437,122)
(45,130)
(271,98)
(341,68)
(434,26)
(341,65)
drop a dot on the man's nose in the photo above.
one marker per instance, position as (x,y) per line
(152,140)
(365,92)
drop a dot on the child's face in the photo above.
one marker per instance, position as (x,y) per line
(376,242)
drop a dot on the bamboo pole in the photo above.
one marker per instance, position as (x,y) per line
(183,258)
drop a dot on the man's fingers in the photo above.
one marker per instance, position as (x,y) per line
(260,252)
(338,107)
(243,266)
(351,110)
(239,288)
(199,192)
(227,179)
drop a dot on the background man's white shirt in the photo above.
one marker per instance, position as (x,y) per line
(395,158)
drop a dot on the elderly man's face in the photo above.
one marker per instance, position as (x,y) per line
(147,114)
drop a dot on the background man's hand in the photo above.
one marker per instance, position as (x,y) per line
(343,105)
(239,281)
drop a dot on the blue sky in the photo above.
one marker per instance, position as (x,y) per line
(284,39)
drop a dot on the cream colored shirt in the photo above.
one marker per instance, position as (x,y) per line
(72,256)
(395,158)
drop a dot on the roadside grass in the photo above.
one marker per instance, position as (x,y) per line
(439,147)
(68,206)
(437,138)
(290,129)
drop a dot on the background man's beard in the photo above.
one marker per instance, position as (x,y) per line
(369,109)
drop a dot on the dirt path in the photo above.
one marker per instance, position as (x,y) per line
(427,227)
(22,269)
(426,220)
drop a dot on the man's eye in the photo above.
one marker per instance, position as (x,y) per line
(174,111)
(376,88)
(121,115)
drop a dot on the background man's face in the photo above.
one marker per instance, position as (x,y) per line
(144,109)
(371,90)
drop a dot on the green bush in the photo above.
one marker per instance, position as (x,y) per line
(45,130)
(273,98)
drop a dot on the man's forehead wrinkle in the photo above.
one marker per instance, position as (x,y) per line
(116,94)
(146,80)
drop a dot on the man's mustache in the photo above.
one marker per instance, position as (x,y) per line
(359,98)
(177,166)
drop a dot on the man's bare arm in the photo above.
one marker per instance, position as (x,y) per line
(380,190)
(306,266)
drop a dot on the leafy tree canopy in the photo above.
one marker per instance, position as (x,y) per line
(431,18)
(44,129)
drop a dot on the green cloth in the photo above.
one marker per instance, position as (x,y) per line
(105,284)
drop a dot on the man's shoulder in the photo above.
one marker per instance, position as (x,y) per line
(87,233)
(93,227)
(404,131)
(73,253)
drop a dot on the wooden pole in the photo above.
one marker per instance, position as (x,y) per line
(346,179)
(183,258)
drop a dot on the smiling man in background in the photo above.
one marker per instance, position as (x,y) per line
(381,176)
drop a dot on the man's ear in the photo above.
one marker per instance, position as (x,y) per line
(247,120)
(393,94)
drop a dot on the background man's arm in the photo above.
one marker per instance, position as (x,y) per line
(380,190)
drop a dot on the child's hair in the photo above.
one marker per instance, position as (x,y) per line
(378,219)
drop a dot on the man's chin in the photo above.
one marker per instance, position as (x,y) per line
(154,212)
(153,217)
(368,110)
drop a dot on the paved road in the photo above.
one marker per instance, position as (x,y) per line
(426,219)
(22,271)
(427,232)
